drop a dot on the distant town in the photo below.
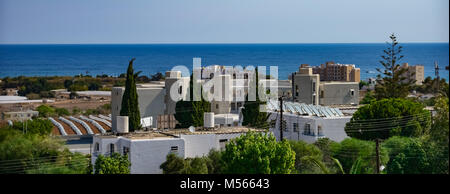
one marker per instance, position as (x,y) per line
(138,118)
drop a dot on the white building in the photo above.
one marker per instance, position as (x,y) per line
(148,150)
(307,122)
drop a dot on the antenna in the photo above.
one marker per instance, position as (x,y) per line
(436,73)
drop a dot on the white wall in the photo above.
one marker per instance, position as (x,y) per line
(200,144)
(332,128)
(147,156)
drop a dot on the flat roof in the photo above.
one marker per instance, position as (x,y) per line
(137,135)
(338,82)
(221,130)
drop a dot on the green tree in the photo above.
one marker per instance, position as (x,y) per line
(173,164)
(389,117)
(195,165)
(114,164)
(66,163)
(392,82)
(255,153)
(407,155)
(437,143)
(36,126)
(252,114)
(21,152)
(368,98)
(45,110)
(350,150)
(62,111)
(190,113)
(306,157)
(214,162)
(130,106)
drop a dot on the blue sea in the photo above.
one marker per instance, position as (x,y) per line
(112,59)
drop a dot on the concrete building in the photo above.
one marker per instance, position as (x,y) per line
(338,93)
(307,122)
(308,88)
(148,150)
(150,99)
(415,72)
(331,71)
(155,98)
(305,86)
(19,115)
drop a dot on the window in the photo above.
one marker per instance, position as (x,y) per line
(321,94)
(111,148)
(295,127)
(180,90)
(246,76)
(320,131)
(126,150)
(217,106)
(273,123)
(314,86)
(352,92)
(97,147)
(285,126)
(296,90)
(307,130)
(211,75)
(174,149)
(222,143)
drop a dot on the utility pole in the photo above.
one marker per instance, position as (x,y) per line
(377,147)
(436,73)
(281,117)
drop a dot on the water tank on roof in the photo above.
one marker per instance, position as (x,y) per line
(122,124)
(208,120)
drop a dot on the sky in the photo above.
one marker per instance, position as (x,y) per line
(221,21)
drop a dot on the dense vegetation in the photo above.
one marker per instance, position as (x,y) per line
(389,117)
(190,112)
(252,114)
(40,87)
(113,164)
(49,111)
(252,153)
(34,151)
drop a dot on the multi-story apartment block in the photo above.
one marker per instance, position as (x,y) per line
(415,72)
(331,71)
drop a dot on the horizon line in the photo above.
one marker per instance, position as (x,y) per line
(169,43)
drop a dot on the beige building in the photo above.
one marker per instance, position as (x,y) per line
(331,71)
(415,72)
(309,89)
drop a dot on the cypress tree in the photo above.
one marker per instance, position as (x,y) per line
(253,117)
(190,113)
(130,106)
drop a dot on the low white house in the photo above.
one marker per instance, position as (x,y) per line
(148,150)
(307,122)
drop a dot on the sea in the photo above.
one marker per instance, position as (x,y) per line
(112,59)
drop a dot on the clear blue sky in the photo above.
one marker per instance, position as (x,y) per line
(222,21)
